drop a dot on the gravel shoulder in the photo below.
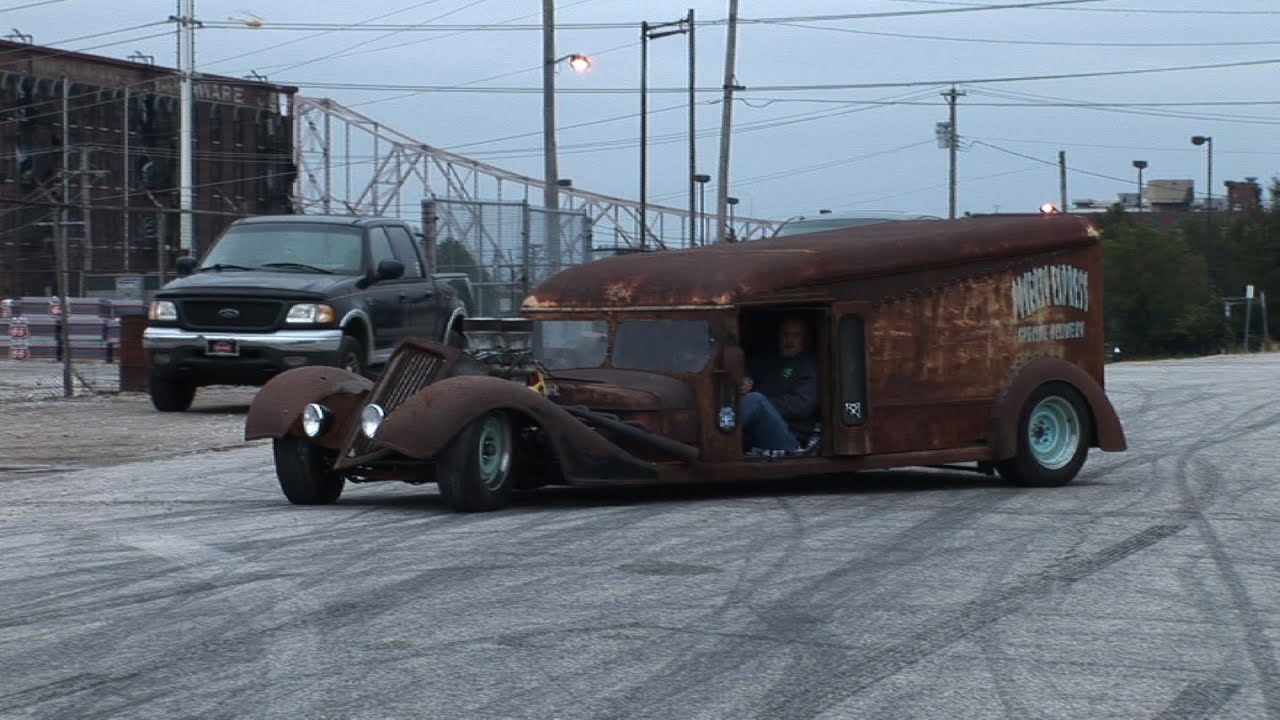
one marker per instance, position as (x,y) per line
(100,426)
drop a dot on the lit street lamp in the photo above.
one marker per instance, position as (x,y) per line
(702,181)
(1141,165)
(1208,192)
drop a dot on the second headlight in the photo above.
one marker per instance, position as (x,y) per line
(371,419)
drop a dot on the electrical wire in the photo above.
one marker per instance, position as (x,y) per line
(1053,43)
(1048,162)
(1137,11)
(793,88)
(30,5)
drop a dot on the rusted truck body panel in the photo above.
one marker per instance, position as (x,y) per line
(937,342)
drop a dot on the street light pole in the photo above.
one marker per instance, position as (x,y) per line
(653,31)
(1141,165)
(701,180)
(1207,141)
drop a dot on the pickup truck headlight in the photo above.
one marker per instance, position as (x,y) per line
(163,310)
(310,314)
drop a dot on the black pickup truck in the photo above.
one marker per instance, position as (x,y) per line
(282,291)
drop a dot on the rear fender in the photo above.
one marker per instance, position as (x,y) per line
(426,423)
(1007,409)
(276,410)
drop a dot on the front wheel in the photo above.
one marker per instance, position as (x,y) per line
(170,395)
(305,471)
(1054,433)
(474,472)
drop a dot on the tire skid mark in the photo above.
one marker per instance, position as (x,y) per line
(1200,700)
(58,689)
(781,623)
(854,673)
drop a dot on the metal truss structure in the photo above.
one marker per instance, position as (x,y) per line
(349,163)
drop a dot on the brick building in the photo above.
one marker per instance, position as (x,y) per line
(90,144)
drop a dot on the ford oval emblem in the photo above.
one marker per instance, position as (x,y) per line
(229,313)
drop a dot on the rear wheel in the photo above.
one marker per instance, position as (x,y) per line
(305,471)
(474,472)
(1054,434)
(170,395)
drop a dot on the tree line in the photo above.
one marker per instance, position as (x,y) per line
(1176,292)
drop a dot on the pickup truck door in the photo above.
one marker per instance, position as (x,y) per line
(383,300)
(423,314)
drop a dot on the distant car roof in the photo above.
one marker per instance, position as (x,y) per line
(356,220)
(804,225)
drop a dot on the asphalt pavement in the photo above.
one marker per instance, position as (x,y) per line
(1149,588)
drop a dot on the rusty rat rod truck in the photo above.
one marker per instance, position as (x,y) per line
(976,341)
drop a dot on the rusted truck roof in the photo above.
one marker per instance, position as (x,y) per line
(742,272)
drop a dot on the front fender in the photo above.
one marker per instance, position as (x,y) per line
(277,407)
(425,424)
(1007,409)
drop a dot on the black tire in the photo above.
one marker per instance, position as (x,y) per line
(351,355)
(1055,431)
(170,395)
(305,471)
(474,472)
(457,340)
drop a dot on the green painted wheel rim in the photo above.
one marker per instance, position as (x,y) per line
(493,452)
(1053,432)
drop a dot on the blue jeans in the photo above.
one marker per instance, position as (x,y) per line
(763,426)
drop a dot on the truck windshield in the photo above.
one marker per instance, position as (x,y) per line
(565,344)
(665,346)
(288,247)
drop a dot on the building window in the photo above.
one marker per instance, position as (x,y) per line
(215,125)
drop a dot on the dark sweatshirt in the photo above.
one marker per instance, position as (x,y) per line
(791,384)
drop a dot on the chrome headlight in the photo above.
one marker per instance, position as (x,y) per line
(371,419)
(163,310)
(316,420)
(310,313)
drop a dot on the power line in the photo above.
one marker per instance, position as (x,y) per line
(792,88)
(1055,43)
(340,27)
(1144,11)
(1048,162)
(30,5)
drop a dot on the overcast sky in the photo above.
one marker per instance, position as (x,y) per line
(796,150)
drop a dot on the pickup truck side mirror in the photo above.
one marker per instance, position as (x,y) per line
(389,270)
(186,265)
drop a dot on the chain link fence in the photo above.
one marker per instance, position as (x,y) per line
(504,248)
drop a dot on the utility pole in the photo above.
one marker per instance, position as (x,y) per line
(726,122)
(550,164)
(1062,180)
(86,242)
(124,176)
(693,142)
(644,135)
(186,71)
(952,142)
(60,244)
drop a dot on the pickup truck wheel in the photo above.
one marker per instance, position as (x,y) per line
(351,355)
(170,395)
(474,473)
(305,471)
(1053,438)
(457,340)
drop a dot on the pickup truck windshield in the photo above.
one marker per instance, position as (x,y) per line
(664,346)
(286,247)
(565,344)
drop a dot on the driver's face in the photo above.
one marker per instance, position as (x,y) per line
(791,337)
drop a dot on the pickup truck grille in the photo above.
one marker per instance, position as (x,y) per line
(411,369)
(231,314)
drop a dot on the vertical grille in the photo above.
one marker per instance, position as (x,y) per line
(410,370)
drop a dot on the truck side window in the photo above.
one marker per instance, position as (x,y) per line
(380,248)
(403,246)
